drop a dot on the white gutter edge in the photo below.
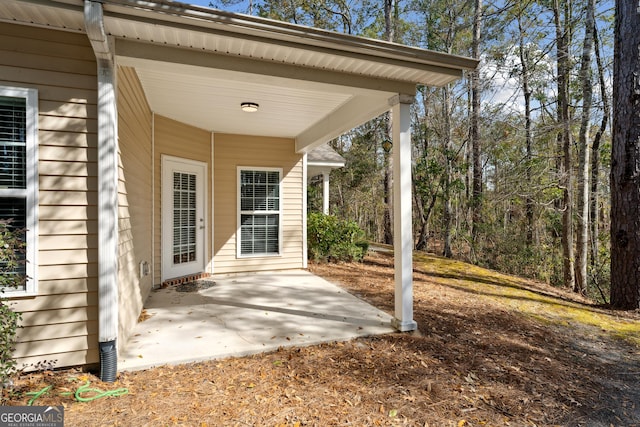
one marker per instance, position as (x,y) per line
(107,191)
(330,165)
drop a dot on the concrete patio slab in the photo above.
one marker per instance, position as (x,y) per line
(245,314)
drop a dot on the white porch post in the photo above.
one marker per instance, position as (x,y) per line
(402,228)
(325,192)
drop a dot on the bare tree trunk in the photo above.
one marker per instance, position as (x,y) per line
(476,198)
(446,190)
(387,224)
(582,241)
(562,42)
(524,61)
(424,202)
(388,165)
(424,214)
(625,159)
(595,155)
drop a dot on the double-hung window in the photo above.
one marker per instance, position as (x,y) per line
(19,176)
(259,211)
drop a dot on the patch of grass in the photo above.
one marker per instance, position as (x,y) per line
(545,303)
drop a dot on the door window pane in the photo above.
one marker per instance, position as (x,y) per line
(184,217)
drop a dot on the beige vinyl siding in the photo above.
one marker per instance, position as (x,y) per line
(134,200)
(231,152)
(177,139)
(60,322)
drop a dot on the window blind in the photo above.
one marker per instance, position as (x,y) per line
(260,216)
(13,143)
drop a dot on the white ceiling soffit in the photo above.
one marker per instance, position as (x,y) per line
(63,16)
(208,100)
(310,112)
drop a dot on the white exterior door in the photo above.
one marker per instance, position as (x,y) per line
(183,217)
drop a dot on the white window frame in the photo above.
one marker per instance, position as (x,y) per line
(240,212)
(30,193)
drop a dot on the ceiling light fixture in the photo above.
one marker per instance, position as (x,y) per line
(249,107)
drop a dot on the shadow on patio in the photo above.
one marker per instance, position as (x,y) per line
(246,314)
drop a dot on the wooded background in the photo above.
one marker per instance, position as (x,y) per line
(511,163)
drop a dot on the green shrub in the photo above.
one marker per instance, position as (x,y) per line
(331,239)
(11,276)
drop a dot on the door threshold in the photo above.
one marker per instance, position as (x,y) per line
(184,279)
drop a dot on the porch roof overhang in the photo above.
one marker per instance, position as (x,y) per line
(323,159)
(197,65)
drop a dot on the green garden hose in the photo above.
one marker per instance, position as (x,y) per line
(96,393)
(37,394)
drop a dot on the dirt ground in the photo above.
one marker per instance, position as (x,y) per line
(491,350)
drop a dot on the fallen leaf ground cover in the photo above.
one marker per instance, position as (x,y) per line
(491,350)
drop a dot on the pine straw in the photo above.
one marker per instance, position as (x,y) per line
(476,361)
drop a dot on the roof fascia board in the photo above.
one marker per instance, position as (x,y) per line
(271,29)
(147,51)
(352,114)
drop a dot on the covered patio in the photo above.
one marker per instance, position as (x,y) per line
(248,313)
(157,101)
(197,66)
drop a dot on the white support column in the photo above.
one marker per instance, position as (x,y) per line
(305,205)
(402,228)
(325,192)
